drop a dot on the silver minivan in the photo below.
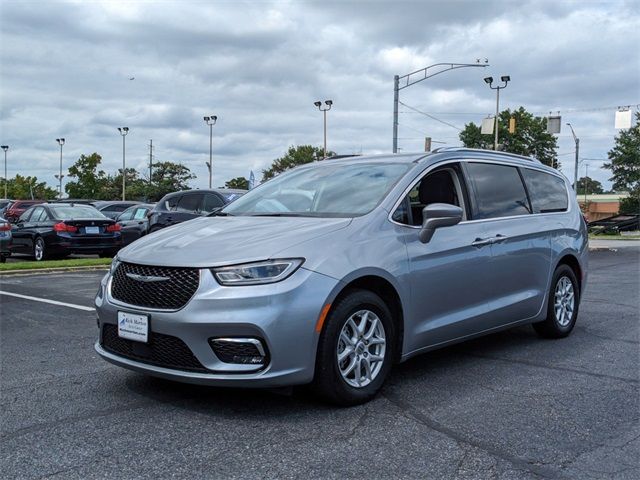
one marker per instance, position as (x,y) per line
(332,272)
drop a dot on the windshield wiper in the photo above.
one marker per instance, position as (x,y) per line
(219,213)
(278,214)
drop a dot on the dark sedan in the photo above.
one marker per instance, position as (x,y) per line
(60,229)
(5,240)
(114,208)
(134,222)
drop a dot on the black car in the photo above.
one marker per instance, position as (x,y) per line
(180,206)
(134,222)
(59,229)
(112,209)
(5,239)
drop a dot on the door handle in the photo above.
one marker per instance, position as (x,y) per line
(499,238)
(481,242)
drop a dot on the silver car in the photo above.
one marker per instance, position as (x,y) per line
(334,271)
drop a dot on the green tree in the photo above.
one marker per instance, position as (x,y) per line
(89,182)
(624,163)
(590,185)
(295,156)
(168,177)
(26,188)
(530,137)
(239,182)
(136,188)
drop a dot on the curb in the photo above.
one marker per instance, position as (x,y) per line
(42,271)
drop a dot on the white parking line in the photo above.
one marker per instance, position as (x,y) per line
(46,300)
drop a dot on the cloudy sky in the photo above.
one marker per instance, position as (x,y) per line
(259,66)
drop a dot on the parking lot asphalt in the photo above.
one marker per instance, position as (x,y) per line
(509,405)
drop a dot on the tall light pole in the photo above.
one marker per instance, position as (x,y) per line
(123,131)
(324,111)
(404,81)
(60,176)
(211,121)
(575,170)
(497,88)
(5,148)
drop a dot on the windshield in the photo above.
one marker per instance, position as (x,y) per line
(322,191)
(76,212)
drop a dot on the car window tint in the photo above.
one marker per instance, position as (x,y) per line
(548,192)
(36,214)
(25,215)
(189,203)
(114,208)
(172,202)
(68,212)
(127,214)
(499,191)
(211,202)
(140,214)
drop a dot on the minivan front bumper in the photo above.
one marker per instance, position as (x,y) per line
(281,315)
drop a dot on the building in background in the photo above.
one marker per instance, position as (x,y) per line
(602,205)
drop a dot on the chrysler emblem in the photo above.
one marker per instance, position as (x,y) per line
(146,278)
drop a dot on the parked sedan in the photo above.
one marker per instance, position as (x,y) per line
(5,240)
(60,229)
(115,208)
(134,222)
(178,207)
(18,207)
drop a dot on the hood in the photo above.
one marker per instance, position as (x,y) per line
(216,241)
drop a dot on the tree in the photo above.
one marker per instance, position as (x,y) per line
(238,182)
(26,188)
(168,177)
(590,185)
(89,182)
(530,137)
(624,163)
(295,156)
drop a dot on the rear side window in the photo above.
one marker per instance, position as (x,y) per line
(211,202)
(548,193)
(172,202)
(25,216)
(68,212)
(499,191)
(189,203)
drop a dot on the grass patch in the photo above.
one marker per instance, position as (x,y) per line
(33,265)
(610,236)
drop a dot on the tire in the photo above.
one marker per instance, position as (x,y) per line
(349,312)
(39,249)
(564,300)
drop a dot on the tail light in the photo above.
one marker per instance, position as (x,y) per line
(5,227)
(113,228)
(63,227)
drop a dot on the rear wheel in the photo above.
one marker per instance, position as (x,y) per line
(39,249)
(356,348)
(562,311)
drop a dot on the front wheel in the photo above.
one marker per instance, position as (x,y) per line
(562,311)
(355,350)
(39,249)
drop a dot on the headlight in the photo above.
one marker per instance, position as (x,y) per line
(258,273)
(114,264)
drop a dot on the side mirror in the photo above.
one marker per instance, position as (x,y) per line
(438,215)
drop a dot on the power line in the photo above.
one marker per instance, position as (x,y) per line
(430,116)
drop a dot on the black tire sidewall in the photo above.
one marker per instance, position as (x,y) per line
(328,379)
(559,330)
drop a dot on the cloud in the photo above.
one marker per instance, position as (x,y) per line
(260,66)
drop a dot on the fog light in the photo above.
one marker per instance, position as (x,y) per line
(244,351)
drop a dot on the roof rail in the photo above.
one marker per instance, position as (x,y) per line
(482,150)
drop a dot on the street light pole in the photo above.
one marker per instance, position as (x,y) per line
(497,88)
(404,81)
(575,170)
(211,121)
(123,131)
(324,111)
(5,148)
(60,176)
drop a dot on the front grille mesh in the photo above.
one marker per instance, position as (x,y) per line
(170,294)
(162,350)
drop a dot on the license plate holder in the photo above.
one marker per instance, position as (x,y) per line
(133,326)
(92,230)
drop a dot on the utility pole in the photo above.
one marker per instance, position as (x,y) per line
(404,81)
(324,111)
(211,121)
(60,176)
(6,180)
(575,170)
(497,88)
(123,131)
(150,160)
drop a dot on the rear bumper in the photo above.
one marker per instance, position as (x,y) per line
(85,244)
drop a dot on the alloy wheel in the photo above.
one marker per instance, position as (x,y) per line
(38,249)
(361,348)
(564,301)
